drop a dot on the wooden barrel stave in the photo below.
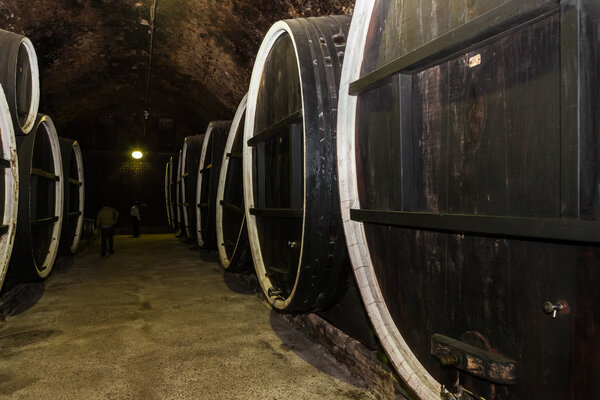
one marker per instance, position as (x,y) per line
(232,234)
(74,195)
(482,282)
(191,152)
(41,195)
(209,169)
(290,164)
(19,76)
(10,191)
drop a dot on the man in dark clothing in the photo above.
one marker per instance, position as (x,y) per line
(105,221)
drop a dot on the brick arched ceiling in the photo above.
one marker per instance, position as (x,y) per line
(94,55)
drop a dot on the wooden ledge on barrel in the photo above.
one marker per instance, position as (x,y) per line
(75,182)
(277,212)
(44,174)
(482,363)
(234,155)
(277,128)
(206,169)
(43,221)
(497,21)
(231,207)
(562,229)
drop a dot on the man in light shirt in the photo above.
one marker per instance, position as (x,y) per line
(106,221)
(136,218)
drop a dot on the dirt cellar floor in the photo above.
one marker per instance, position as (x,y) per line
(157,320)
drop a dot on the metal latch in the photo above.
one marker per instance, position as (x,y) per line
(551,308)
(482,363)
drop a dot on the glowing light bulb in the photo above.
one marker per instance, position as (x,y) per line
(137,154)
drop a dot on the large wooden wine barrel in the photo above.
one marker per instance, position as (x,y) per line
(173,192)
(168,191)
(208,181)
(232,235)
(19,77)
(190,160)
(179,200)
(469,187)
(40,214)
(10,187)
(74,195)
(290,189)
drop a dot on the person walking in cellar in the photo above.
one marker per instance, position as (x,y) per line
(106,221)
(135,218)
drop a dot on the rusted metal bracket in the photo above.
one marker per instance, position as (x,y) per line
(484,364)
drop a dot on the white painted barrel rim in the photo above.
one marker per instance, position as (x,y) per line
(81,193)
(183,159)
(171,200)
(207,135)
(44,269)
(35,86)
(11,185)
(399,353)
(278,29)
(168,172)
(178,193)
(225,261)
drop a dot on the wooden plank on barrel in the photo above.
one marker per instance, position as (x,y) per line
(474,32)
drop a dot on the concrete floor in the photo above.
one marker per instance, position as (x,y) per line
(158,320)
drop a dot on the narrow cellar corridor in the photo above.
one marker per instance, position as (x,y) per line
(156,320)
(337,199)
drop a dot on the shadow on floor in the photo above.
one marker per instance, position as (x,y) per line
(241,283)
(63,264)
(18,298)
(207,255)
(304,348)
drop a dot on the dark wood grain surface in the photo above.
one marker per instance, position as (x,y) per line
(514,134)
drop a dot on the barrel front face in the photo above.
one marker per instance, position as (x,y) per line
(172,192)
(191,153)
(459,182)
(179,199)
(232,235)
(209,170)
(46,191)
(74,195)
(167,191)
(182,187)
(278,167)
(20,79)
(289,163)
(40,216)
(10,186)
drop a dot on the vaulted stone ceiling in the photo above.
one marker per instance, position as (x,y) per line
(94,55)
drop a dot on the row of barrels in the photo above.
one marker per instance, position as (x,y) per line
(451,155)
(42,196)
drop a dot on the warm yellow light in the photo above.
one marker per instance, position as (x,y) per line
(137,154)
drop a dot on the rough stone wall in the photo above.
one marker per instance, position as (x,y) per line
(121,180)
(94,57)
